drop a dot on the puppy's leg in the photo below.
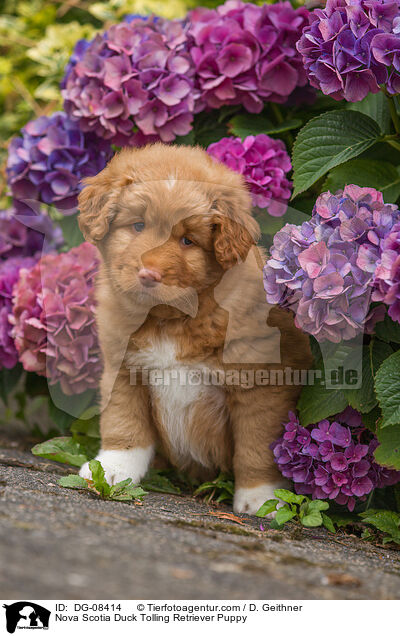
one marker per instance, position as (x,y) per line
(256,415)
(127,435)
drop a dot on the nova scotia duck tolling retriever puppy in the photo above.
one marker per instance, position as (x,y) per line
(193,355)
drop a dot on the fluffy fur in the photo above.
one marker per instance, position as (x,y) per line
(180,291)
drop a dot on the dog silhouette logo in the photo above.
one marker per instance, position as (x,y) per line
(26,615)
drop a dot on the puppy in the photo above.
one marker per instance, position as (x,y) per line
(190,345)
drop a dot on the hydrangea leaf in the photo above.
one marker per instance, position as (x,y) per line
(248,124)
(317,402)
(364,399)
(388,330)
(387,386)
(61,449)
(328,523)
(384,520)
(329,140)
(267,507)
(381,175)
(388,451)
(376,106)
(73,481)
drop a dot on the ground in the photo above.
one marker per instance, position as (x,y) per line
(64,544)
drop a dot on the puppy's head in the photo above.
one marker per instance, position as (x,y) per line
(168,220)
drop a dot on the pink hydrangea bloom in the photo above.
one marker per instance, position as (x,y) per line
(54,319)
(387,274)
(246,54)
(264,163)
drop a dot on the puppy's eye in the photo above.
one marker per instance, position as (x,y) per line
(185,241)
(139,226)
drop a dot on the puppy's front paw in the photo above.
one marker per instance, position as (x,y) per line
(249,500)
(122,464)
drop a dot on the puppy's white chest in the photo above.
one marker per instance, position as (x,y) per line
(175,390)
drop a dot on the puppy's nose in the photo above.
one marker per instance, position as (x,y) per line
(149,277)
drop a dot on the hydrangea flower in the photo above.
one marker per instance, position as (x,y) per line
(332,459)
(49,160)
(138,73)
(324,269)
(246,54)
(9,274)
(264,163)
(387,273)
(54,319)
(17,239)
(349,48)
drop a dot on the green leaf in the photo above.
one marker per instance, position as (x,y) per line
(344,519)
(99,480)
(370,420)
(73,481)
(388,330)
(384,520)
(283,515)
(128,493)
(71,232)
(364,399)
(61,419)
(317,505)
(387,386)
(61,449)
(388,451)
(158,482)
(312,519)
(329,140)
(376,106)
(289,497)
(9,379)
(267,507)
(366,173)
(328,523)
(317,403)
(247,124)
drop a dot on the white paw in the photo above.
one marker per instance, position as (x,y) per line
(121,464)
(249,500)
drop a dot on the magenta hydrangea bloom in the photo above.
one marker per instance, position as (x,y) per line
(54,319)
(9,274)
(332,459)
(19,239)
(134,84)
(246,54)
(49,160)
(387,274)
(324,269)
(350,48)
(264,163)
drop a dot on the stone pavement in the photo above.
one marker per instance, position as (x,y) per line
(63,544)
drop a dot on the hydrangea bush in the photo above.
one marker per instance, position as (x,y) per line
(258,87)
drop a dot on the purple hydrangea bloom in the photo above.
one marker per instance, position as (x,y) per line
(264,163)
(324,269)
(332,459)
(49,160)
(246,54)
(77,54)
(54,319)
(135,83)
(19,239)
(349,48)
(9,274)
(387,274)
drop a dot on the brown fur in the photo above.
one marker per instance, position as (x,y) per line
(211,305)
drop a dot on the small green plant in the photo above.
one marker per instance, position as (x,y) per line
(123,491)
(386,521)
(296,508)
(220,489)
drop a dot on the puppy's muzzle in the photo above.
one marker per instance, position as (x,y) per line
(149,277)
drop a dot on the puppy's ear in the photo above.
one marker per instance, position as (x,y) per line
(235,230)
(95,206)
(233,239)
